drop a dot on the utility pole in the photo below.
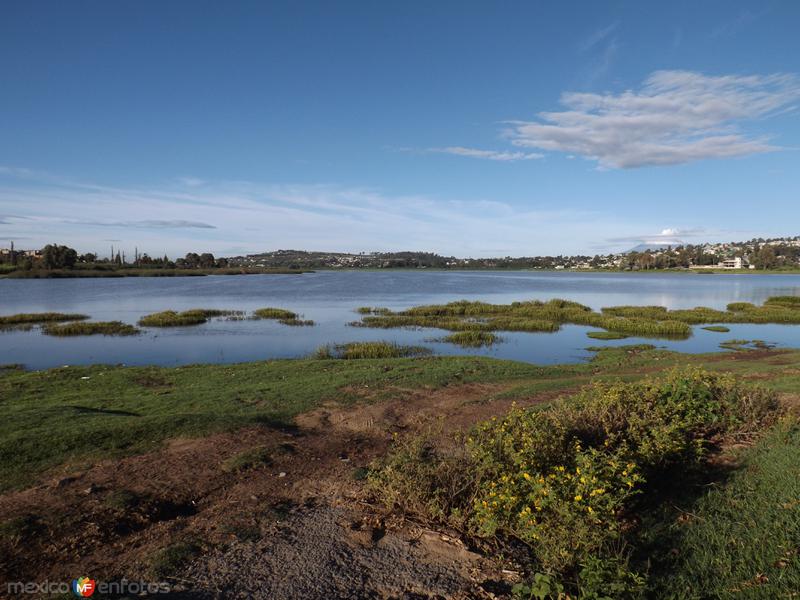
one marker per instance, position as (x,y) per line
(13,256)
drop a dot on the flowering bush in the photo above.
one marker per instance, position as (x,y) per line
(561,478)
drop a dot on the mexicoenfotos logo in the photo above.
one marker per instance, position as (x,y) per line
(83,587)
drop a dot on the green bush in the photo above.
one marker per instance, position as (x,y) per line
(563,479)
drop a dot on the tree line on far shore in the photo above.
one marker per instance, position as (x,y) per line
(55,257)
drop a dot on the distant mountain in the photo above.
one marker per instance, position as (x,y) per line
(653,246)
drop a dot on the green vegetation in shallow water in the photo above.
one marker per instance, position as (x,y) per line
(195,316)
(274,313)
(295,322)
(745,345)
(472,339)
(605,335)
(641,321)
(34,318)
(89,328)
(717,328)
(363,350)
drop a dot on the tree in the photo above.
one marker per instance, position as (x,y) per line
(766,259)
(58,257)
(206,260)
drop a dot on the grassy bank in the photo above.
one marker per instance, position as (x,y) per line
(124,410)
(643,507)
(195,316)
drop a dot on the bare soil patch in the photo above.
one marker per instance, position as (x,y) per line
(298,526)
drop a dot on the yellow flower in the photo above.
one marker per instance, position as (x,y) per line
(578,498)
(526,476)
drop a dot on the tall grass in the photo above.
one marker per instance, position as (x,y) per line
(361,350)
(472,339)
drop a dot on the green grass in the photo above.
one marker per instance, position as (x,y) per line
(89,328)
(605,335)
(33,318)
(472,339)
(129,410)
(740,539)
(194,316)
(717,328)
(274,313)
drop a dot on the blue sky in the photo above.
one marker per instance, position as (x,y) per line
(466,128)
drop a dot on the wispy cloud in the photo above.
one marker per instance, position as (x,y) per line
(675,117)
(596,37)
(670,235)
(735,25)
(503,156)
(151,224)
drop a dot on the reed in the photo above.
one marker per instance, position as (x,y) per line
(472,339)
(365,350)
(89,328)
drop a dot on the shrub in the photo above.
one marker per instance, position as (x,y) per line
(563,479)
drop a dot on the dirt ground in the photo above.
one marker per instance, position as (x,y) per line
(300,526)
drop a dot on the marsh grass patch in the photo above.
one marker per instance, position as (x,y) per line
(89,328)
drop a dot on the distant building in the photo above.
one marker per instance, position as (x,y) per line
(733,263)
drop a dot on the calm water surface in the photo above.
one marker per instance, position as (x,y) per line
(329,298)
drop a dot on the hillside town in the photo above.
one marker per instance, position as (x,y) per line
(761,254)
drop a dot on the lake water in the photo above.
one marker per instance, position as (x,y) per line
(329,298)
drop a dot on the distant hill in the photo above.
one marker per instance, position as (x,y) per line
(653,246)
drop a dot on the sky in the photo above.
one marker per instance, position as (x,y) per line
(457,127)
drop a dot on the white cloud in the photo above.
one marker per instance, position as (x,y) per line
(487,154)
(676,117)
(252,217)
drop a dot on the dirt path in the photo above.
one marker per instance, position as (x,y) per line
(296,527)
